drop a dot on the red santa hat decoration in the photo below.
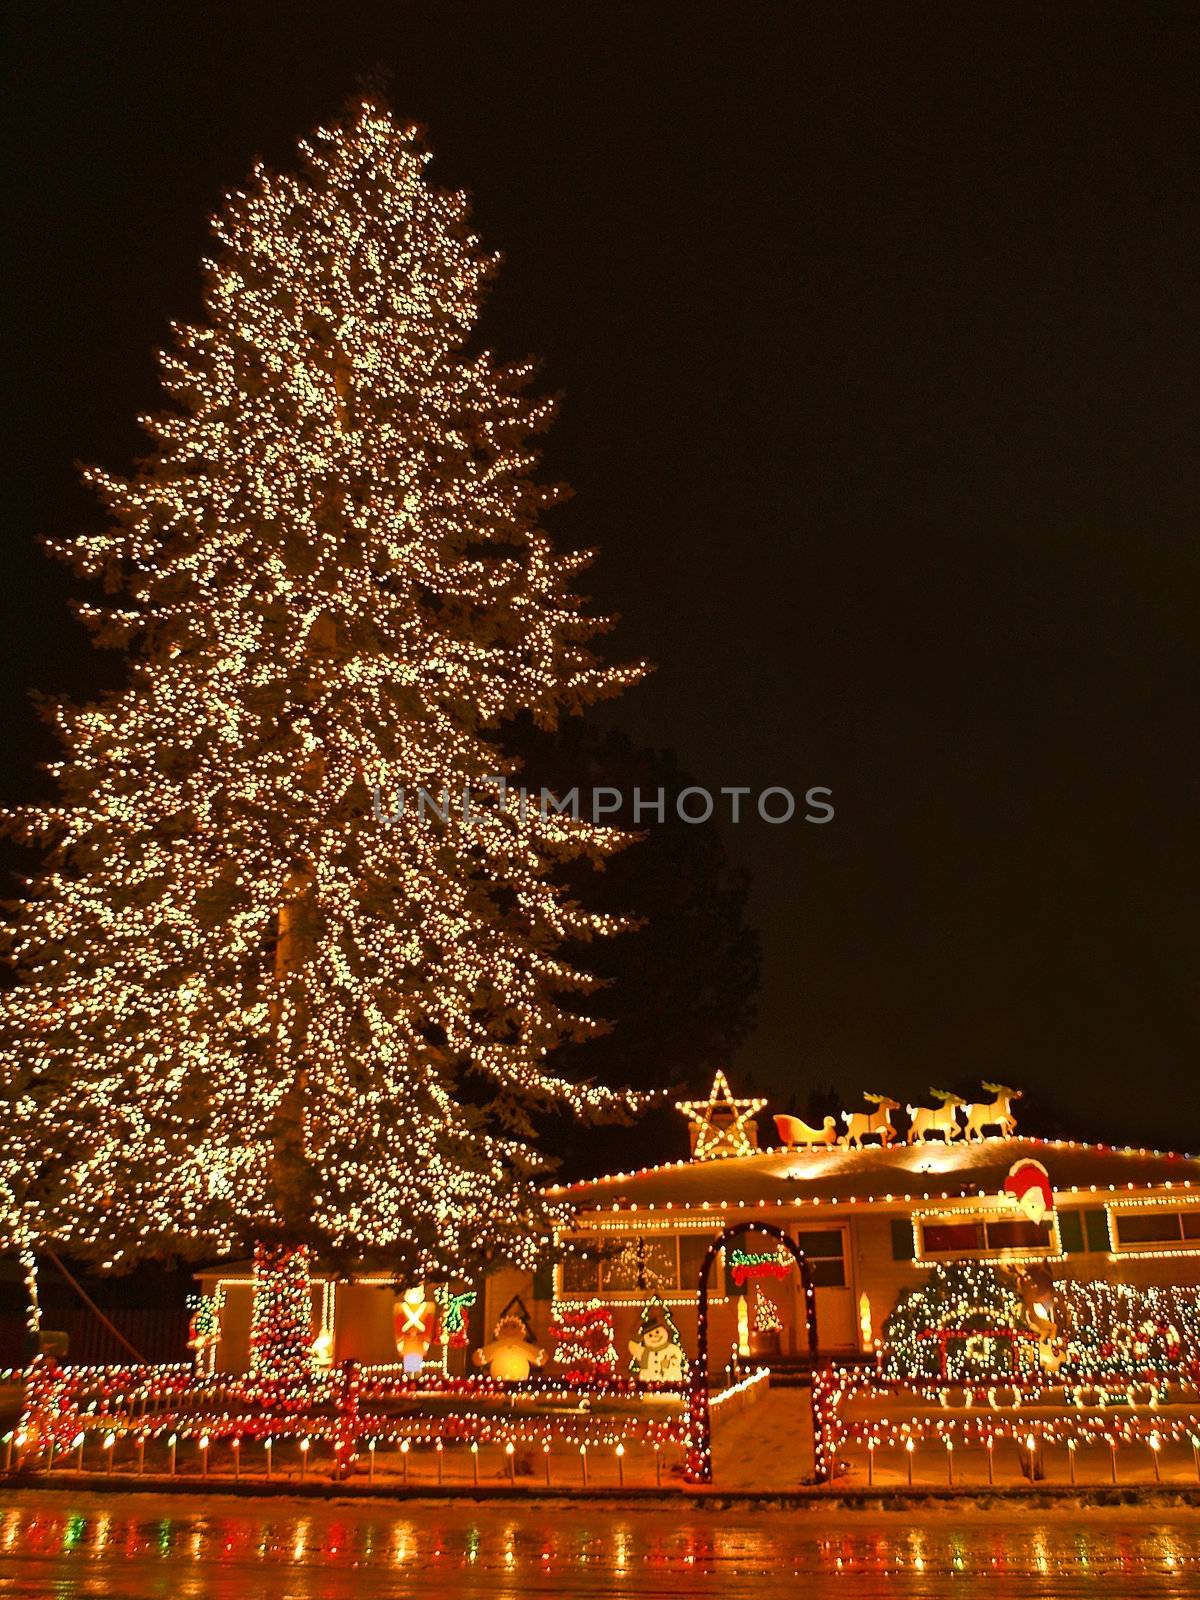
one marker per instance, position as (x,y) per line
(1028,1187)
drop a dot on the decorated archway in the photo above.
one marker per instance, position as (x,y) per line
(699,1456)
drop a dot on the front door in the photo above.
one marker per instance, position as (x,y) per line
(825,1249)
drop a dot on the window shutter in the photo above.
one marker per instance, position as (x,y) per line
(902,1239)
(1095,1226)
(1070,1231)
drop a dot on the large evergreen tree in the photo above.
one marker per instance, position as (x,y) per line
(249,1009)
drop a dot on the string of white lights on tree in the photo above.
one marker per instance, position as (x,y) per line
(250,1009)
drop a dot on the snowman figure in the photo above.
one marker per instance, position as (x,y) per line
(657,1353)
(512,1352)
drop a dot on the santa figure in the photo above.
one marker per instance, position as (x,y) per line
(1028,1186)
(414,1320)
(657,1353)
(512,1352)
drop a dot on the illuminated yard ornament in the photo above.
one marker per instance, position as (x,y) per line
(584,1343)
(722,1126)
(1039,1294)
(415,1321)
(746,1264)
(656,1354)
(698,1465)
(204,1324)
(964,1323)
(1028,1187)
(766,1314)
(204,1328)
(866,1329)
(997,1113)
(861,1125)
(513,1351)
(793,1131)
(453,1307)
(281,1321)
(941,1119)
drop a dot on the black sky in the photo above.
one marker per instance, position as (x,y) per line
(877,329)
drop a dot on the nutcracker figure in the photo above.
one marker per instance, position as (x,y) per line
(414,1319)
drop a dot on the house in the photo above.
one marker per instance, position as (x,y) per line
(870,1219)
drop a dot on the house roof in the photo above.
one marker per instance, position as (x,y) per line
(837,1176)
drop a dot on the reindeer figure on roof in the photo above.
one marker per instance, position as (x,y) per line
(997,1113)
(862,1125)
(941,1119)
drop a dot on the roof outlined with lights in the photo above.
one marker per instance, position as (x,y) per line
(878,1174)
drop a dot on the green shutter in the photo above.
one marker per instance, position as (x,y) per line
(902,1239)
(1095,1224)
(543,1281)
(1070,1231)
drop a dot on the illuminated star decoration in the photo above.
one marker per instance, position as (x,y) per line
(721,1122)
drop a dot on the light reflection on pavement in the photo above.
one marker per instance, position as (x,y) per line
(140,1547)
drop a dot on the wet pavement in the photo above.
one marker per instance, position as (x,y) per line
(134,1547)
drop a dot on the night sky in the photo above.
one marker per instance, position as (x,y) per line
(877,330)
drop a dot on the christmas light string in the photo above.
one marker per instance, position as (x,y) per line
(247,1007)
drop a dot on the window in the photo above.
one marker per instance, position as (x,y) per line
(951,1238)
(636,1265)
(826,1258)
(692,1249)
(642,1262)
(580,1275)
(948,1236)
(1156,1227)
(1018,1235)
